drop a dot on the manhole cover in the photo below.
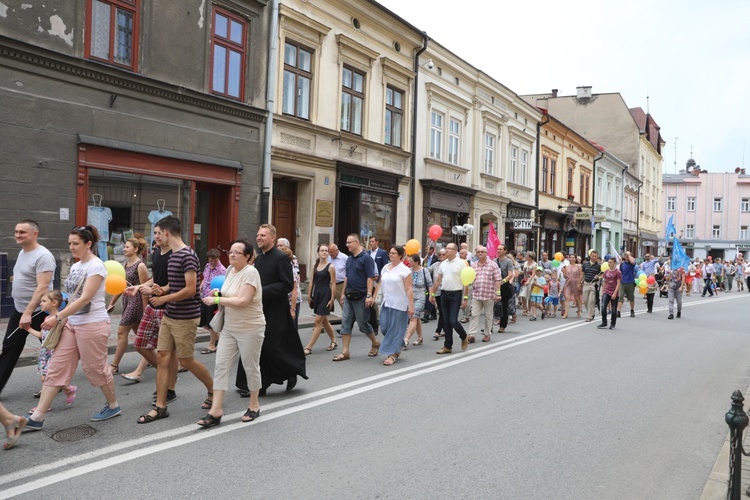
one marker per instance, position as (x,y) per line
(74,434)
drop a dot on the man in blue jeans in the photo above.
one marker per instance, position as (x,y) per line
(627,290)
(357,297)
(454,296)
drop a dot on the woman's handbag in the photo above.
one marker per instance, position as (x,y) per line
(217,322)
(53,337)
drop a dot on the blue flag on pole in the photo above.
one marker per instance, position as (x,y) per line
(679,257)
(671,230)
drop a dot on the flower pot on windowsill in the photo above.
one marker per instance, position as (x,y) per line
(571,197)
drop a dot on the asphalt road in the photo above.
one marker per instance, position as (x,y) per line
(553,409)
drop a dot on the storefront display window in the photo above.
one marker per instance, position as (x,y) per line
(377,211)
(446,221)
(123,205)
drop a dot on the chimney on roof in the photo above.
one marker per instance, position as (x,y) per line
(742,171)
(554,93)
(583,92)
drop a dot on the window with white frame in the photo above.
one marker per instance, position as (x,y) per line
(524,167)
(436,135)
(690,231)
(743,232)
(599,182)
(545,169)
(489,154)
(608,202)
(745,205)
(716,233)
(454,140)
(671,203)
(690,206)
(513,172)
(297,80)
(717,204)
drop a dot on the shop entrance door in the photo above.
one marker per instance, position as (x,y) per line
(284,217)
(348,220)
(212,226)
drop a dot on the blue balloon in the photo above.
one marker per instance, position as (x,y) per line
(64,302)
(218,282)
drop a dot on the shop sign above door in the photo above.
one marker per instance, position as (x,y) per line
(522,223)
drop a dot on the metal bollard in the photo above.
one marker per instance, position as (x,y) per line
(737,420)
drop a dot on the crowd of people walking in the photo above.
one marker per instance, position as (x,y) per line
(251,308)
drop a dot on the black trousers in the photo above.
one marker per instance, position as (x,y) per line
(650,301)
(13,344)
(606,299)
(507,290)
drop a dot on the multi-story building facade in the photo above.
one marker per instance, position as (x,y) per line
(609,202)
(475,153)
(565,187)
(341,156)
(711,211)
(101,124)
(630,134)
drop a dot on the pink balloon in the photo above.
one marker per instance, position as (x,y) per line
(435,232)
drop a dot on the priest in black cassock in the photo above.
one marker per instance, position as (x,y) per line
(282,358)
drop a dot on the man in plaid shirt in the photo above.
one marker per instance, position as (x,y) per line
(486,292)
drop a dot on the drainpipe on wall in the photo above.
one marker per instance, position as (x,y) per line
(593,199)
(638,220)
(413,189)
(265,193)
(539,125)
(622,206)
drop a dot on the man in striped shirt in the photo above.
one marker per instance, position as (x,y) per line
(179,324)
(591,271)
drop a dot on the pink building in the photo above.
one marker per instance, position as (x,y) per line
(711,211)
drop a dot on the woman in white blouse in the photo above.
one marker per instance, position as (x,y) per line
(397,306)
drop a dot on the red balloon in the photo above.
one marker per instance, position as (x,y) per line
(435,232)
(546,289)
(651,280)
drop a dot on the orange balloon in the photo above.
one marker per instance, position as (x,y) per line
(412,247)
(115,284)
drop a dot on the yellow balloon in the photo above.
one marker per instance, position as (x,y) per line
(468,275)
(605,267)
(114,268)
(412,247)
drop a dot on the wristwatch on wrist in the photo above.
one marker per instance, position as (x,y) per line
(369,296)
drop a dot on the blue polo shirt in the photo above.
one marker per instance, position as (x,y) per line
(358,269)
(628,272)
(649,266)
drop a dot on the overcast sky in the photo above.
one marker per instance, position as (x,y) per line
(691,58)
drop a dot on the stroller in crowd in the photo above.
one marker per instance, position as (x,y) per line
(660,283)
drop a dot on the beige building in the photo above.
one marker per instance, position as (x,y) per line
(341,155)
(475,153)
(565,188)
(630,134)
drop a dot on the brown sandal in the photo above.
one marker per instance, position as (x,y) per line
(390,360)
(374,351)
(341,356)
(333,346)
(206,405)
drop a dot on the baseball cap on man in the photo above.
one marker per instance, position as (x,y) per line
(539,268)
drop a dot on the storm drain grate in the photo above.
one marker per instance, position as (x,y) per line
(74,434)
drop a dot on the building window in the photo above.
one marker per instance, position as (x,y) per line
(524,167)
(489,154)
(297,81)
(454,138)
(717,204)
(690,231)
(394,116)
(716,233)
(570,182)
(513,164)
(552,176)
(436,135)
(690,206)
(544,174)
(745,205)
(743,232)
(228,54)
(113,32)
(352,100)
(599,192)
(671,203)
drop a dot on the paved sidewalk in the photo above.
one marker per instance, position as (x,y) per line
(31,351)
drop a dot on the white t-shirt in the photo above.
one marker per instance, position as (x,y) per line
(95,310)
(250,317)
(450,270)
(393,287)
